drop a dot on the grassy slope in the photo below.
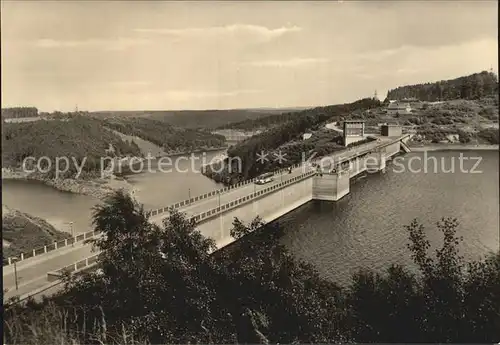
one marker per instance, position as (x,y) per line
(164,135)
(144,145)
(23,232)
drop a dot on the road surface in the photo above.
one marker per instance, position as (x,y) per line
(33,274)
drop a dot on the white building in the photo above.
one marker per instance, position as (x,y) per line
(398,108)
(306,136)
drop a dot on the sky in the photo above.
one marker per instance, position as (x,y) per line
(115,55)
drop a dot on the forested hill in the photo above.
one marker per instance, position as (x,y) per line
(77,138)
(19,112)
(262,122)
(164,135)
(195,119)
(88,137)
(293,129)
(473,86)
(276,120)
(301,121)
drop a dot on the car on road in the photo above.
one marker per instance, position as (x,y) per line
(265,178)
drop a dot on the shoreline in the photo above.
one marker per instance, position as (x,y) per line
(185,153)
(454,147)
(97,187)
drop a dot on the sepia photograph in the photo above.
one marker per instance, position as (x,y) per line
(250,172)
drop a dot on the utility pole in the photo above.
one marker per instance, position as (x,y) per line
(15,272)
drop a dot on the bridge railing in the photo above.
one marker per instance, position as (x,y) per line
(89,234)
(50,247)
(204,196)
(74,267)
(92,260)
(252,196)
(87,262)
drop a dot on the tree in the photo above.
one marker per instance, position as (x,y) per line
(291,300)
(166,290)
(168,284)
(464,137)
(447,300)
(471,86)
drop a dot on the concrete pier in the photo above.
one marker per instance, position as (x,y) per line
(376,161)
(331,185)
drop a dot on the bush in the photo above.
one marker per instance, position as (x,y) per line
(491,135)
(255,291)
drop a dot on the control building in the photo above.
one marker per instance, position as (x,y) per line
(354,130)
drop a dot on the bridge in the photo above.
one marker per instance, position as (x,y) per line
(324,179)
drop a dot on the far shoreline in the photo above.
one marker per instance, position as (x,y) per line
(454,147)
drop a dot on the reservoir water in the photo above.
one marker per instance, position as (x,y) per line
(364,229)
(154,189)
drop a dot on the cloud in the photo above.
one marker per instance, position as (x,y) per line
(111,44)
(215,31)
(128,83)
(184,95)
(409,71)
(295,62)
(383,54)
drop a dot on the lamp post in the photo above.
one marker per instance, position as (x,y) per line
(72,234)
(219,198)
(189,193)
(15,271)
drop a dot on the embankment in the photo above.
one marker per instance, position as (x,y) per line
(22,232)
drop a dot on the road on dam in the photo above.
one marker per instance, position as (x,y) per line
(32,274)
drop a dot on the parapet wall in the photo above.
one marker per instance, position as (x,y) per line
(392,149)
(269,207)
(353,139)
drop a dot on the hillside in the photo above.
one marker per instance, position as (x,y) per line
(473,86)
(287,138)
(19,112)
(261,123)
(194,119)
(462,120)
(22,232)
(76,137)
(164,135)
